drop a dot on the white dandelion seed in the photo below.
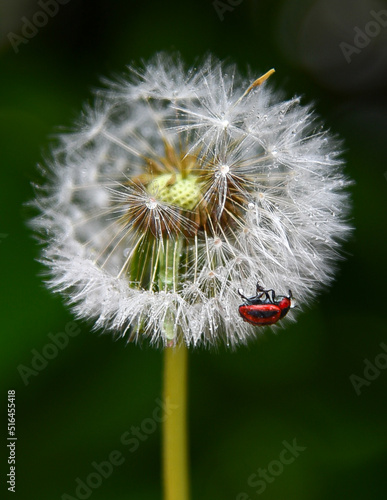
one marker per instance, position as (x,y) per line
(181,187)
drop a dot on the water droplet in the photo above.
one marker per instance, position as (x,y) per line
(151,203)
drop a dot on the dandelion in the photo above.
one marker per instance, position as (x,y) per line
(180,187)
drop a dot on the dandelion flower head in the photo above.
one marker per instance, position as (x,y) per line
(181,186)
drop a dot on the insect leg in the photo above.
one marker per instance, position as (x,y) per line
(240,292)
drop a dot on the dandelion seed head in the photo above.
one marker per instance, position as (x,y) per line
(181,186)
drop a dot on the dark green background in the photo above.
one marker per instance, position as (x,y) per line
(243,405)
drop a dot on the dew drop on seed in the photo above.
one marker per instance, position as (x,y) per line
(151,204)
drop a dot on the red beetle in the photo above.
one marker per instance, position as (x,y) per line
(263,309)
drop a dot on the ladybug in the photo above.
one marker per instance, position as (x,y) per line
(263,309)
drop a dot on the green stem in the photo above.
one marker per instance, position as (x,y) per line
(175,462)
(175,459)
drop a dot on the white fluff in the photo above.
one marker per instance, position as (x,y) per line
(277,160)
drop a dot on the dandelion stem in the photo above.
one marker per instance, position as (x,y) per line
(175,459)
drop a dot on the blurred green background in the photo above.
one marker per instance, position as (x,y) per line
(291,385)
